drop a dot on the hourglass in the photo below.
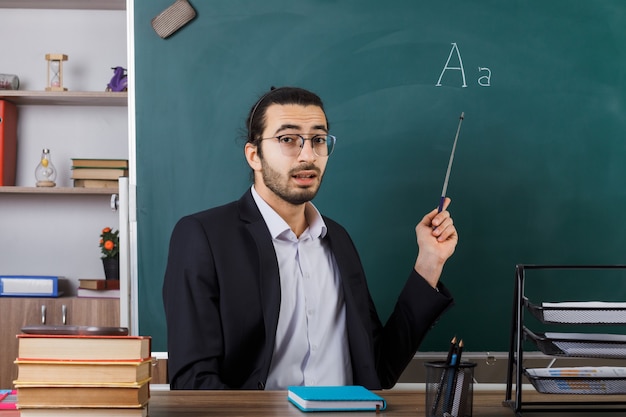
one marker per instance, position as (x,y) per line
(55,72)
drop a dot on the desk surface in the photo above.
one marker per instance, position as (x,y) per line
(400,403)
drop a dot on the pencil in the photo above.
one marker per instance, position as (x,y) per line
(443,374)
(451,350)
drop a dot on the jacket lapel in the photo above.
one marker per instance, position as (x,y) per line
(268,270)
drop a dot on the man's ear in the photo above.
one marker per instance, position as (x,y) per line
(252,156)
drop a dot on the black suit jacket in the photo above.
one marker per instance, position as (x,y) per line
(221,295)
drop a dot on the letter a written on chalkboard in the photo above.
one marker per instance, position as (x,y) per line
(447,67)
(485,80)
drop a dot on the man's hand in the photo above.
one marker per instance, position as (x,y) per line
(436,241)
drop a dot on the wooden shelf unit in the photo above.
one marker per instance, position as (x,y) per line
(64,4)
(57,190)
(65,98)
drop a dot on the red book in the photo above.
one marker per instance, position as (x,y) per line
(8,142)
(8,399)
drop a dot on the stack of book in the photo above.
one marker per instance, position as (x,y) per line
(98,173)
(76,375)
(99,288)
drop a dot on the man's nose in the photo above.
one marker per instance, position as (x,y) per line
(307,152)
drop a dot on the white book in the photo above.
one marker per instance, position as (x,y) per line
(84,292)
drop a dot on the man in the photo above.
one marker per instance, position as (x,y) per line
(264,292)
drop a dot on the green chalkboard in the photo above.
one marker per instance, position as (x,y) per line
(540,169)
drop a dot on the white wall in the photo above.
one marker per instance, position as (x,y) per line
(41,234)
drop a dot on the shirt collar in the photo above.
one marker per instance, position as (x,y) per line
(276,225)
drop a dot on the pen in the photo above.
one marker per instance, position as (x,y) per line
(453,378)
(450,370)
(445,182)
(443,375)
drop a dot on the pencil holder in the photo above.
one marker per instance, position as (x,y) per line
(449,389)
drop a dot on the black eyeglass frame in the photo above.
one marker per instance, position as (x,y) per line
(333,141)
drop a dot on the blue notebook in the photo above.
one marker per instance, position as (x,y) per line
(334,398)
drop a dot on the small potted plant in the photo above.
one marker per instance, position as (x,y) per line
(110,248)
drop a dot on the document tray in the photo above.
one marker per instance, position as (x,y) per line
(577,384)
(578,313)
(579,345)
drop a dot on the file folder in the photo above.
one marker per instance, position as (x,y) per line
(8,142)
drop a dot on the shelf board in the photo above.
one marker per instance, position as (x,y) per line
(64,4)
(66,98)
(57,190)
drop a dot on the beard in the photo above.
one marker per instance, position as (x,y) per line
(279,185)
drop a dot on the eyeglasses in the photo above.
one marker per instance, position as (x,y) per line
(292,144)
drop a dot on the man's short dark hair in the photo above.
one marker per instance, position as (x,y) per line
(256,122)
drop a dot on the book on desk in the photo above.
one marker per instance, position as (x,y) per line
(81,347)
(82,372)
(80,375)
(8,399)
(38,395)
(335,398)
(84,412)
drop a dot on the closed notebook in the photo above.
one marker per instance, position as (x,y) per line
(335,398)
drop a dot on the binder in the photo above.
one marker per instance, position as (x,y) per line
(8,142)
(29,286)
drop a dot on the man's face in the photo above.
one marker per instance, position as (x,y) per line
(293,179)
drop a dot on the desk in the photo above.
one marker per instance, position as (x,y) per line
(400,403)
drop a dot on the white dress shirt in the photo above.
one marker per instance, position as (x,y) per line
(311,339)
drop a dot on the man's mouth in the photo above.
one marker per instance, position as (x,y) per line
(305,175)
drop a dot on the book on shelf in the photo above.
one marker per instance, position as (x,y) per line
(83,183)
(29,286)
(80,347)
(88,293)
(98,173)
(99,163)
(8,399)
(135,395)
(99,284)
(74,372)
(84,412)
(335,398)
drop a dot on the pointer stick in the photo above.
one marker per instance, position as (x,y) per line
(445,183)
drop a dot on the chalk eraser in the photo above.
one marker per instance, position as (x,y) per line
(173,18)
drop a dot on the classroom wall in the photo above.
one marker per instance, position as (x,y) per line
(539,168)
